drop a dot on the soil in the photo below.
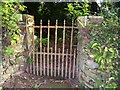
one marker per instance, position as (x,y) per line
(25,80)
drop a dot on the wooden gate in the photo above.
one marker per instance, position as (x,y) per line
(56,55)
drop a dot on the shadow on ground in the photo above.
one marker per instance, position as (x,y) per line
(25,80)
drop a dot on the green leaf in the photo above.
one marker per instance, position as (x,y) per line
(92,56)
(1,88)
(104,54)
(9,50)
(106,49)
(13,42)
(95,44)
(111,50)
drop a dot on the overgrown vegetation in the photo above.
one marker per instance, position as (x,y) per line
(78,9)
(10,27)
(104,41)
(104,46)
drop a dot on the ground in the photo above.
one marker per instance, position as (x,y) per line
(25,80)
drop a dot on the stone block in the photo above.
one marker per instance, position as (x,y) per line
(10,70)
(20,59)
(91,64)
(6,76)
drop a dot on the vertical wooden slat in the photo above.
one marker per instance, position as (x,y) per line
(44,69)
(74,57)
(33,48)
(48,47)
(71,42)
(66,64)
(30,65)
(40,47)
(37,63)
(26,38)
(55,47)
(63,48)
(59,62)
(77,64)
(51,62)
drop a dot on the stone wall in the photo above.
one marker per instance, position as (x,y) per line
(88,75)
(15,62)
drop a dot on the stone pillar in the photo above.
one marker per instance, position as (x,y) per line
(0,49)
(21,49)
(29,21)
(88,73)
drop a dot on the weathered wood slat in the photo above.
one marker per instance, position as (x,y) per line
(71,43)
(63,48)
(44,69)
(48,38)
(59,62)
(40,47)
(26,34)
(51,62)
(53,53)
(33,44)
(26,28)
(37,63)
(30,65)
(67,27)
(74,57)
(55,47)
(66,64)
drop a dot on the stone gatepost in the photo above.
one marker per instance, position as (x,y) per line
(22,49)
(29,23)
(88,72)
(0,48)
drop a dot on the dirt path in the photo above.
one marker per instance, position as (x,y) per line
(25,80)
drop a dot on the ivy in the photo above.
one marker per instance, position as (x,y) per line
(10,19)
(104,46)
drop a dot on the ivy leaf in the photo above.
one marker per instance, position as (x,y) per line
(111,50)
(104,54)
(9,51)
(106,49)
(95,44)
(13,42)
(92,56)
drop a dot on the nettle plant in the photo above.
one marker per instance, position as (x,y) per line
(104,46)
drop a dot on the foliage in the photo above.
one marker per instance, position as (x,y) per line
(10,21)
(104,45)
(9,51)
(78,9)
(30,60)
(60,40)
(44,41)
(49,10)
(1,88)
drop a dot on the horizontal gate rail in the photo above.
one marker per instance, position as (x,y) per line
(52,53)
(67,27)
